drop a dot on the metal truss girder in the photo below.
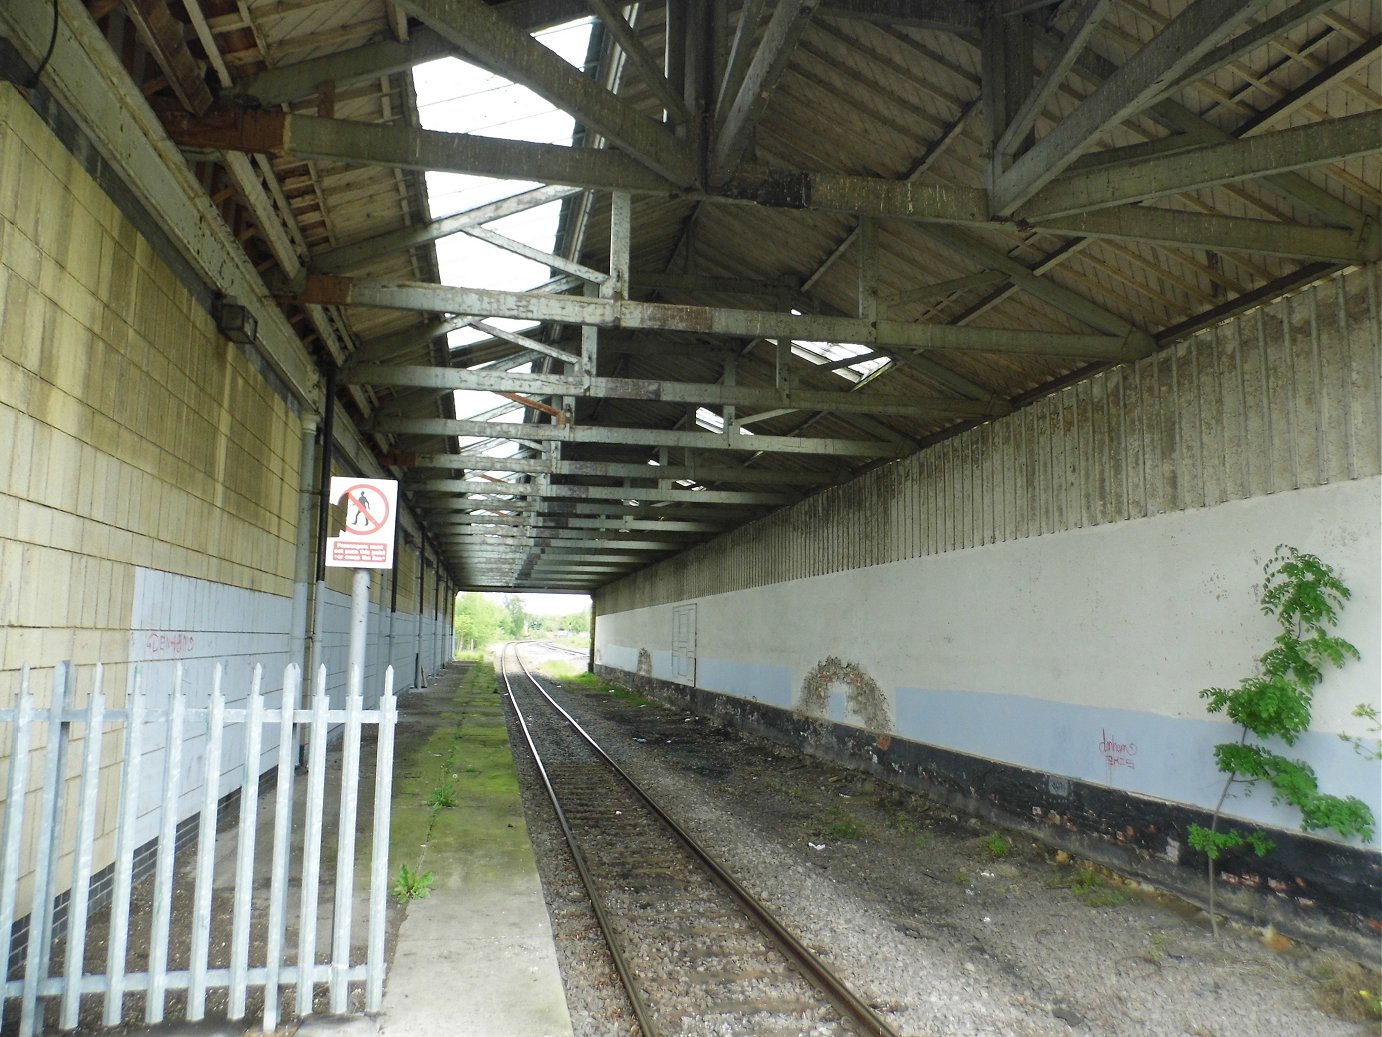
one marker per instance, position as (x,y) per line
(859,195)
(1206,165)
(555,538)
(407,147)
(406,341)
(555,556)
(636,437)
(499,45)
(1195,129)
(565,491)
(341,259)
(736,117)
(1062,298)
(615,469)
(713,321)
(716,393)
(345,68)
(1183,229)
(1091,13)
(1163,60)
(611,16)
(613,524)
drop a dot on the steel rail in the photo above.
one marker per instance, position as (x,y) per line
(815,971)
(640,1009)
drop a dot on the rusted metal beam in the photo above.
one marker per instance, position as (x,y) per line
(749,324)
(508,383)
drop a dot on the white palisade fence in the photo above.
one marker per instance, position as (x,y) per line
(35,986)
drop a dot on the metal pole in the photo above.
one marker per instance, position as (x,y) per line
(328,429)
(303,563)
(359,624)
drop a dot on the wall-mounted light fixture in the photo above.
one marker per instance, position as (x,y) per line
(235,322)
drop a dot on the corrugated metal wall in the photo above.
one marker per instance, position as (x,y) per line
(1284,397)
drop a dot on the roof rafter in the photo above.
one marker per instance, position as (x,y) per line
(1141,79)
(1206,165)
(736,115)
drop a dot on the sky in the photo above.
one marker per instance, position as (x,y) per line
(461,98)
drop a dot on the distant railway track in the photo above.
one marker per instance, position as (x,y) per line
(697,954)
(555,647)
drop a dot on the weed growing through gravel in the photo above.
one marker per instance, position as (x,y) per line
(1156,948)
(1348,990)
(594,683)
(997,846)
(902,823)
(960,877)
(843,826)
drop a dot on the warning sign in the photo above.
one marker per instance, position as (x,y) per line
(366,541)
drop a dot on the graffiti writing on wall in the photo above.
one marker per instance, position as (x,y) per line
(1116,753)
(159,643)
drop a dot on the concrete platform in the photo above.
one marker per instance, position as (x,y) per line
(475,958)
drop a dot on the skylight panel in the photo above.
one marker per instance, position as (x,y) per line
(833,353)
(708,419)
(455,96)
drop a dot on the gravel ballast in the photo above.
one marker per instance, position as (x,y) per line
(945,924)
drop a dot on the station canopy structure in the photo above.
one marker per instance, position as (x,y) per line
(796,239)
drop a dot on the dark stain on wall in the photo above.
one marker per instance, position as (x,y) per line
(1309,888)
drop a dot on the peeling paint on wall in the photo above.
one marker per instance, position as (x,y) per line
(864,699)
(645,662)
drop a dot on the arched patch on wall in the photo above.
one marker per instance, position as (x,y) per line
(865,703)
(645,662)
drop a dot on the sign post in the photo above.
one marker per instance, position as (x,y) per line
(365,543)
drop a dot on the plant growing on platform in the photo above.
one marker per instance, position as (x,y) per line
(1304,595)
(442,797)
(412,885)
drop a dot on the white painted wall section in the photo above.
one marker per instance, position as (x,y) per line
(1079,653)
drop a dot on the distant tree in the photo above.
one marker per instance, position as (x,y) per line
(480,621)
(517,623)
(577,622)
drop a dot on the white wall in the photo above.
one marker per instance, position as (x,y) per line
(199,624)
(1037,651)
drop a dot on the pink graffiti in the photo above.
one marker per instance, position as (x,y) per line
(177,644)
(1117,754)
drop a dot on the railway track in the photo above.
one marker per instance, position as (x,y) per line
(697,954)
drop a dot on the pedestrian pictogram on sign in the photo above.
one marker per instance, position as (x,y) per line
(366,541)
